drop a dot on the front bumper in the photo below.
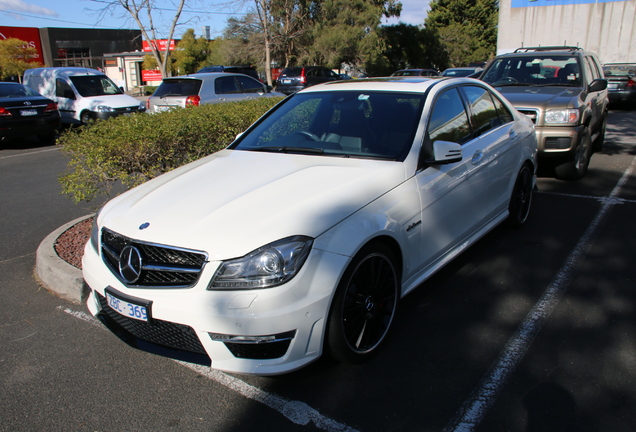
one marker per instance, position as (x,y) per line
(118,111)
(234,327)
(557,142)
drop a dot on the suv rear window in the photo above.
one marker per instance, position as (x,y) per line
(291,72)
(534,70)
(178,87)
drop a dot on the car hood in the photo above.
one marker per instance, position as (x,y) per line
(115,101)
(541,97)
(233,202)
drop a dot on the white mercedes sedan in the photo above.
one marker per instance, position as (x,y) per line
(302,236)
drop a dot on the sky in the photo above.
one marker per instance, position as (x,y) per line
(213,13)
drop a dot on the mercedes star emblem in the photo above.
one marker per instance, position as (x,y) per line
(130,264)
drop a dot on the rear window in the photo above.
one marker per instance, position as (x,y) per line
(16,90)
(291,72)
(178,87)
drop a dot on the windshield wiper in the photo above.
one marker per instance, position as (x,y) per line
(308,150)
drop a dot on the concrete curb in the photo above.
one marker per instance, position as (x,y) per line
(55,274)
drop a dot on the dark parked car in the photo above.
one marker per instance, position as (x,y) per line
(293,79)
(563,90)
(462,72)
(245,70)
(621,83)
(415,72)
(24,112)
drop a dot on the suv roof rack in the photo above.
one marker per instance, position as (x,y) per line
(548,48)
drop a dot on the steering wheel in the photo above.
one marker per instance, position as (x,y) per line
(310,135)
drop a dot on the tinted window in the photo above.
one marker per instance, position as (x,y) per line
(291,72)
(95,85)
(250,85)
(16,90)
(226,85)
(449,121)
(63,89)
(541,69)
(178,87)
(504,114)
(483,112)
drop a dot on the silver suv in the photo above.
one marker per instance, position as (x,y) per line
(564,92)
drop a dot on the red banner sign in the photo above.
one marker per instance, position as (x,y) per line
(160,44)
(151,75)
(30,36)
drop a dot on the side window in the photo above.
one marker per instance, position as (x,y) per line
(483,112)
(250,85)
(226,85)
(449,121)
(594,68)
(505,115)
(63,89)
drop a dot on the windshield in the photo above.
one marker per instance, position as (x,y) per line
(348,124)
(534,70)
(95,85)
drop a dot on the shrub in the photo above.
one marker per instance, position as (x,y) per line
(130,150)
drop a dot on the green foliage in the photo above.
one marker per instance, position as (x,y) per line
(13,55)
(408,46)
(129,150)
(467,28)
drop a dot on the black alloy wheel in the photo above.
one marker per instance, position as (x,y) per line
(521,199)
(364,306)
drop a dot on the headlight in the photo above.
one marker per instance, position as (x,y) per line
(266,267)
(142,106)
(105,108)
(567,116)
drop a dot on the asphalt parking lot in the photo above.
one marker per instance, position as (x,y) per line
(529,330)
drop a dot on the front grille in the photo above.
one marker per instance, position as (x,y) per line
(168,334)
(532,113)
(160,266)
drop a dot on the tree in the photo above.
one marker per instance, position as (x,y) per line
(191,53)
(137,9)
(13,58)
(467,28)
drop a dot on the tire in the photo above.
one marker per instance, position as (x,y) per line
(364,306)
(86,117)
(576,168)
(598,142)
(521,198)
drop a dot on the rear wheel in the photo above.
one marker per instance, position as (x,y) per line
(364,306)
(576,168)
(521,198)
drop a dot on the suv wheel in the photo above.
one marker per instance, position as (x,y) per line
(576,168)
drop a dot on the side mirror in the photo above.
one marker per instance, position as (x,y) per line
(597,85)
(446,152)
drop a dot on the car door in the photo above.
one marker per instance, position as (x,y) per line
(66,100)
(252,89)
(452,195)
(492,126)
(227,89)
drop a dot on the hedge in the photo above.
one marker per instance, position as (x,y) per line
(130,150)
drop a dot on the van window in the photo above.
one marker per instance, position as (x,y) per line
(63,89)
(95,85)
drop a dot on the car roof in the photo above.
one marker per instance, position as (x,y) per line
(414,84)
(205,76)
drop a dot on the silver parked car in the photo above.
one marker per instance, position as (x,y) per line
(204,88)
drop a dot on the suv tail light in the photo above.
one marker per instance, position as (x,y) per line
(631,83)
(193,101)
(5,112)
(303,78)
(52,107)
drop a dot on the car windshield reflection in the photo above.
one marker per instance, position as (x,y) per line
(378,125)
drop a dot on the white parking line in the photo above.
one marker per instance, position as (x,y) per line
(298,412)
(29,153)
(483,397)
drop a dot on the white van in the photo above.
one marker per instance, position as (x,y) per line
(81,94)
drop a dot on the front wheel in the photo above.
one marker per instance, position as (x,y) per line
(576,168)
(521,199)
(364,305)
(86,118)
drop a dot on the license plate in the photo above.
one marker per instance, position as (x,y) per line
(28,112)
(612,86)
(127,309)
(286,81)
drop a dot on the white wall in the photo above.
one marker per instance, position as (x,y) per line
(607,29)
